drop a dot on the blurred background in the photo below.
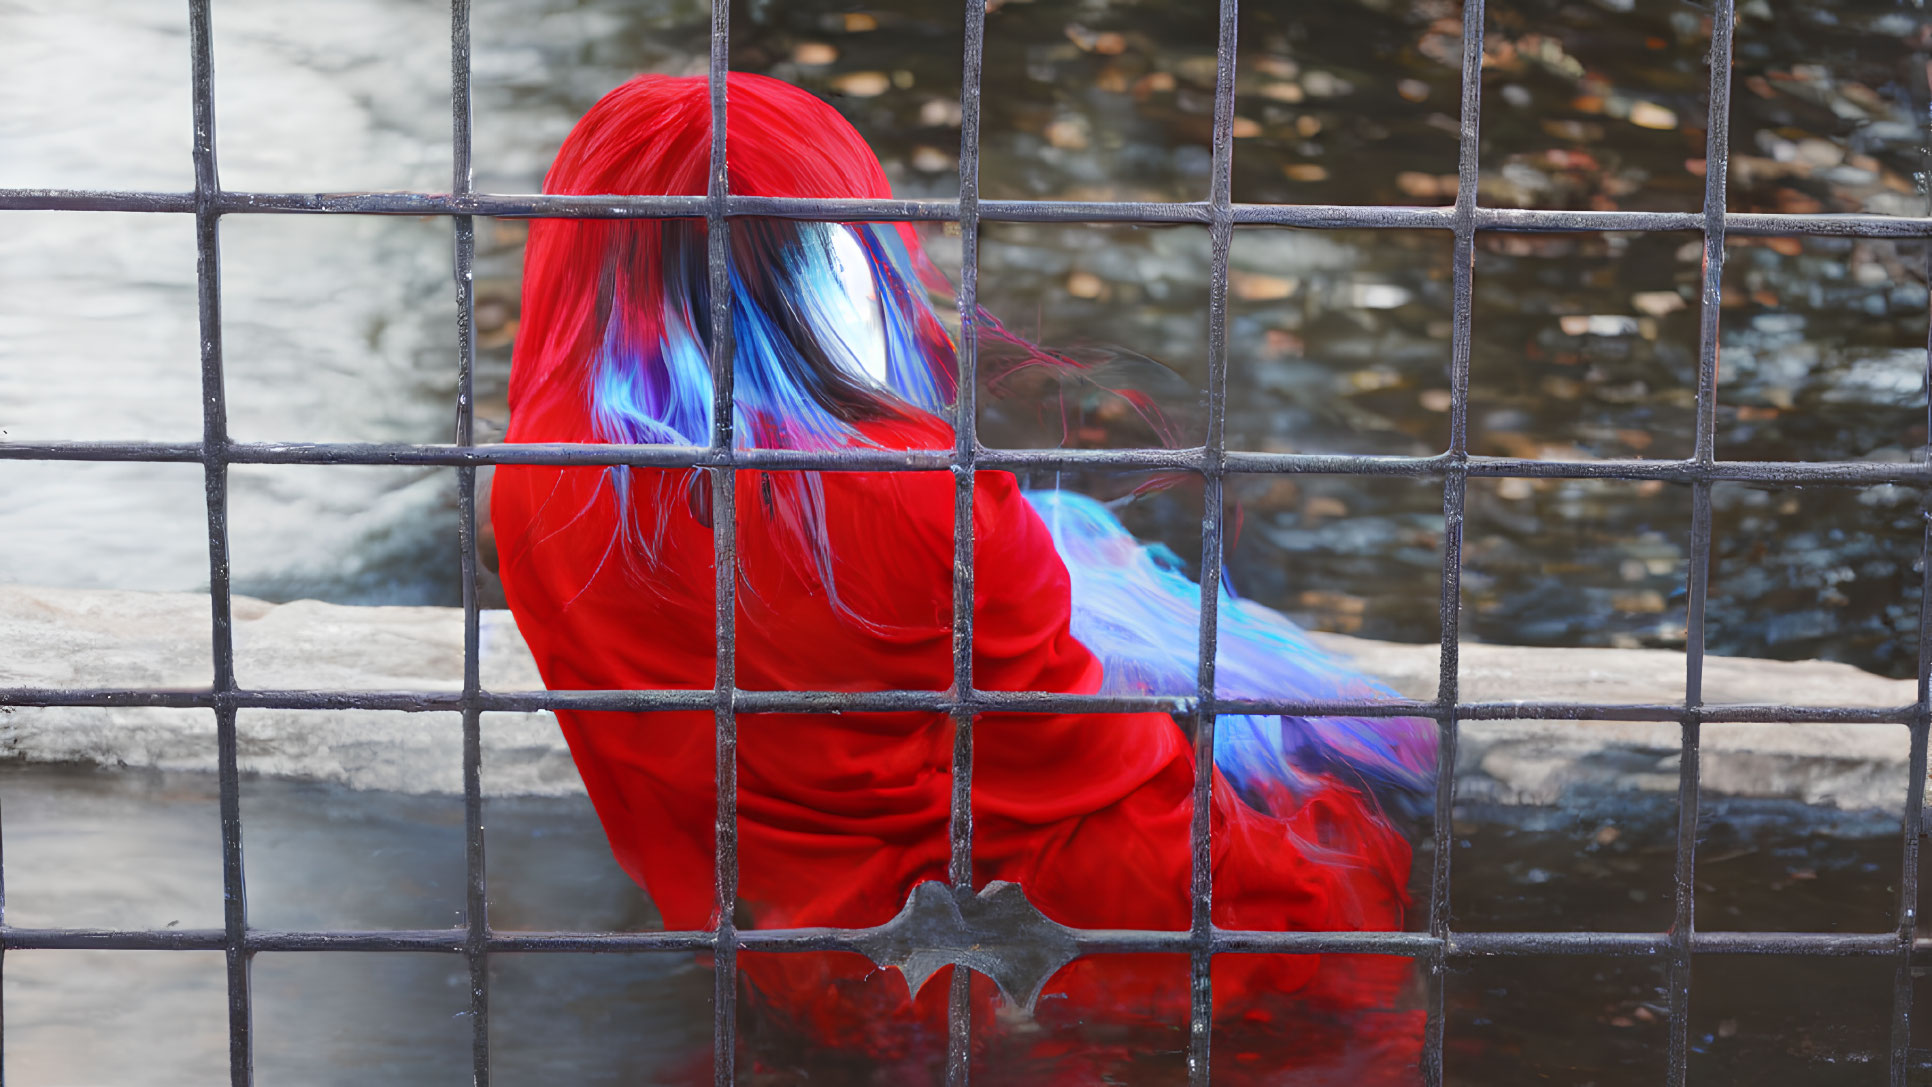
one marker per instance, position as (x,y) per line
(341,328)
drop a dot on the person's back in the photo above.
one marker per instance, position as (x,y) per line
(845,583)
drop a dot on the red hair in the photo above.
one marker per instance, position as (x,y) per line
(652,137)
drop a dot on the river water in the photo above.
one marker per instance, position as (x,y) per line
(343,328)
(323,856)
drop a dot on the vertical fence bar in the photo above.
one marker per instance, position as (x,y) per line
(476,896)
(1913,821)
(214,450)
(1455,496)
(3,956)
(1221,243)
(1698,576)
(959,1014)
(724,553)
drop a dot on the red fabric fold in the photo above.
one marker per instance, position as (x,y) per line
(840,815)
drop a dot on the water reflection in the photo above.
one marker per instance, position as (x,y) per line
(326,854)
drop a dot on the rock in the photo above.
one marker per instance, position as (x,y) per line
(73,638)
(85,638)
(1854,767)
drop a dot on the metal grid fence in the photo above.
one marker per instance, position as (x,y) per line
(1213,461)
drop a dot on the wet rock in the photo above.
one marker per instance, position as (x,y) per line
(70,638)
(1848,766)
(83,639)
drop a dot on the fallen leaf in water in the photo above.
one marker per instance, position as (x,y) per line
(1282,91)
(1574,131)
(1597,324)
(1819,154)
(814,53)
(1651,115)
(1657,303)
(1324,85)
(1414,90)
(862,84)
(1562,388)
(1305,171)
(1246,128)
(1067,133)
(858,22)
(938,112)
(1253,287)
(1323,505)
(1279,342)
(1278,67)
(1153,83)
(1378,295)
(932,160)
(1793,202)
(1085,285)
(1417,185)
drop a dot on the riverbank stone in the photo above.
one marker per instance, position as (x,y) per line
(79,639)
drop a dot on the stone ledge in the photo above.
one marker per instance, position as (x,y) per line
(102,638)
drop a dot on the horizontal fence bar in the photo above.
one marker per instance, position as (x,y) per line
(941,702)
(1308,216)
(1086,941)
(1791,473)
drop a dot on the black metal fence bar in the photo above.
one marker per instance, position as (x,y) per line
(214,441)
(1090,941)
(1213,471)
(1436,948)
(476,905)
(959,866)
(1309,216)
(724,554)
(1777,473)
(1421,945)
(1913,823)
(1455,491)
(1683,926)
(945,702)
